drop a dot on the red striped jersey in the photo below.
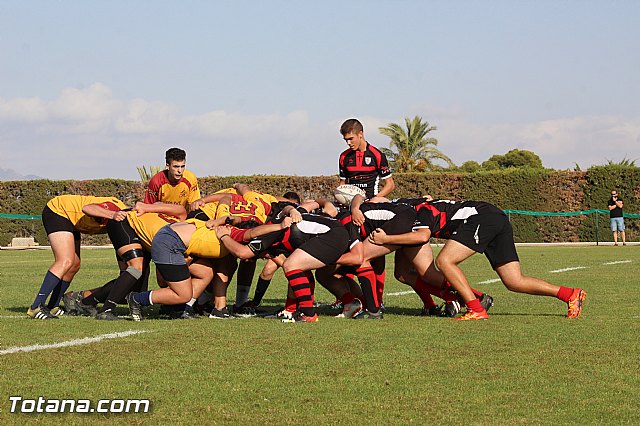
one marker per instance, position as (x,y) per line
(364,169)
(183,193)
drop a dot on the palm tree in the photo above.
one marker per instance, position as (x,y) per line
(146,176)
(413,151)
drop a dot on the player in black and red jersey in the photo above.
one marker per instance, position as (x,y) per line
(414,264)
(365,166)
(477,227)
(312,243)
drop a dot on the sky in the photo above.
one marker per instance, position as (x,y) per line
(92,89)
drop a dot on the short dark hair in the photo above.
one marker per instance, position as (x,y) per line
(292,196)
(175,154)
(352,125)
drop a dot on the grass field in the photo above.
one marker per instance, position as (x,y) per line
(526,365)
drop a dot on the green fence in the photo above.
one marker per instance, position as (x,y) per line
(597,212)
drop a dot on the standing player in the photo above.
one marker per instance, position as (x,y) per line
(170,192)
(365,166)
(64,218)
(477,227)
(175,185)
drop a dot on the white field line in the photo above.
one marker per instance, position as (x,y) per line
(617,262)
(76,342)
(401,293)
(575,268)
(495,280)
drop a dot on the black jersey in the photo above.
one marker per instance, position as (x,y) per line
(443,217)
(289,239)
(364,169)
(393,218)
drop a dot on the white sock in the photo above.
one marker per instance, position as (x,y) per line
(191,302)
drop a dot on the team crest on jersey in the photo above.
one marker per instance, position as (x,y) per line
(183,193)
(367,161)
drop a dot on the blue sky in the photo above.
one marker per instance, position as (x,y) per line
(92,89)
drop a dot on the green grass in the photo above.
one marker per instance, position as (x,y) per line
(526,365)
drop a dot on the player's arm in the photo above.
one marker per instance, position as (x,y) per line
(419,236)
(261,230)
(96,210)
(212,198)
(389,185)
(175,210)
(324,203)
(240,251)
(241,188)
(357,217)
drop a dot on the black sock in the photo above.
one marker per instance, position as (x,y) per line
(100,294)
(120,289)
(261,289)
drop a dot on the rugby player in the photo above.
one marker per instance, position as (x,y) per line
(365,166)
(312,243)
(64,218)
(131,238)
(170,246)
(249,205)
(476,227)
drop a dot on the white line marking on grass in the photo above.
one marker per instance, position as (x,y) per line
(76,342)
(495,280)
(401,293)
(575,268)
(617,262)
(13,316)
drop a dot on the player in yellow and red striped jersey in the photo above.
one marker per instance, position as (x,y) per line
(249,205)
(174,185)
(64,218)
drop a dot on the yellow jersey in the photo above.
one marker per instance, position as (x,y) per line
(252,206)
(147,225)
(183,193)
(204,242)
(70,207)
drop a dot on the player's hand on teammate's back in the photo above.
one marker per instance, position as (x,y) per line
(378,237)
(357,217)
(119,216)
(141,208)
(196,204)
(295,216)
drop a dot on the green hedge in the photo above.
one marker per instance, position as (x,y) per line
(516,189)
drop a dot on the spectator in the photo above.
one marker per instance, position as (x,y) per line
(617,218)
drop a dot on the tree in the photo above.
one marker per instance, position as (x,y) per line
(625,162)
(146,176)
(514,158)
(470,166)
(413,152)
